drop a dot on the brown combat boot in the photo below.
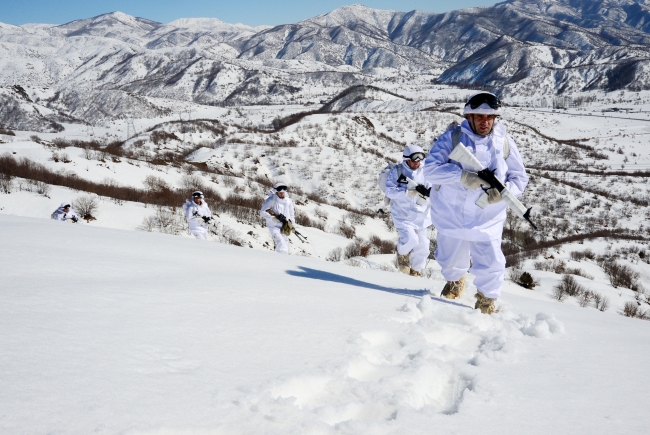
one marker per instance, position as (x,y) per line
(486,305)
(454,289)
(404,263)
(415,273)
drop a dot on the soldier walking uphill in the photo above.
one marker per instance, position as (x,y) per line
(409,195)
(65,213)
(465,229)
(198,215)
(278,210)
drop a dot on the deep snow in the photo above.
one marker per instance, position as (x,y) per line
(110,331)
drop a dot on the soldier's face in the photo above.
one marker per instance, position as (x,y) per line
(482,123)
(412,164)
(280,194)
(198,201)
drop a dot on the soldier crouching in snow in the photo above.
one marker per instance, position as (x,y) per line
(464,228)
(278,210)
(198,215)
(65,213)
(409,195)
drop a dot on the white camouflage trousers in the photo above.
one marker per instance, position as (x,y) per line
(281,241)
(488,262)
(200,233)
(415,241)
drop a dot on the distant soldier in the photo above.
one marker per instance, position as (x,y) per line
(410,210)
(198,215)
(464,229)
(65,213)
(278,210)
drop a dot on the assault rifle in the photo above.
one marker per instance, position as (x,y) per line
(422,193)
(462,155)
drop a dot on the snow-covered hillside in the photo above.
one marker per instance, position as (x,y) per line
(113,331)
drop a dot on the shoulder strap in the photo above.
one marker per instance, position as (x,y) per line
(506,147)
(455,136)
(399,170)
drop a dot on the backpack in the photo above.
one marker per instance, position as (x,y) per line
(383,177)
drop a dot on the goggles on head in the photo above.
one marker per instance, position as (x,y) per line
(197,195)
(416,157)
(66,206)
(488,99)
(280,188)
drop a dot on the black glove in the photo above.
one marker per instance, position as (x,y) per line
(74,219)
(282,218)
(206,219)
(423,190)
(402,179)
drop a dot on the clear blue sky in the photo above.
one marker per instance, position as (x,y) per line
(251,12)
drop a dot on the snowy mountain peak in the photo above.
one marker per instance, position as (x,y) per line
(115,24)
(349,15)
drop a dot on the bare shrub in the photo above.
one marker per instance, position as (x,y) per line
(600,302)
(230,236)
(320,213)
(149,224)
(348,231)
(621,275)
(585,298)
(229,181)
(335,254)
(192,182)
(559,293)
(88,153)
(358,248)
(306,221)
(86,206)
(170,220)
(382,246)
(65,158)
(580,255)
(355,218)
(43,189)
(6,183)
(156,184)
(631,309)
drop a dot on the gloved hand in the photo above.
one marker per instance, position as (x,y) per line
(402,179)
(471,180)
(206,219)
(287,227)
(424,191)
(494,196)
(74,219)
(282,218)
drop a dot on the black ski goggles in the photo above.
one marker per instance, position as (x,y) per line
(416,157)
(66,206)
(280,188)
(488,99)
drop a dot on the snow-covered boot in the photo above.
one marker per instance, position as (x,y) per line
(486,305)
(404,263)
(415,273)
(454,289)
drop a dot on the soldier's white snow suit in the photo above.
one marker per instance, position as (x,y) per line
(279,206)
(411,220)
(60,215)
(194,215)
(465,229)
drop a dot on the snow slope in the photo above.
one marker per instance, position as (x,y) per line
(109,331)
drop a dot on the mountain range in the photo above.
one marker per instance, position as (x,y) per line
(99,68)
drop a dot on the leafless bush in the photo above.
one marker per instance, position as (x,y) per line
(88,153)
(192,182)
(358,248)
(632,309)
(381,246)
(320,213)
(621,275)
(580,255)
(230,236)
(156,184)
(86,206)
(229,181)
(355,218)
(305,221)
(170,220)
(65,158)
(6,183)
(335,254)
(600,302)
(559,293)
(345,230)
(149,223)
(567,287)
(43,189)
(585,298)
